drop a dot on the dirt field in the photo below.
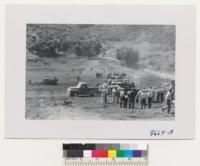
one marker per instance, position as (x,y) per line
(89,108)
(47,101)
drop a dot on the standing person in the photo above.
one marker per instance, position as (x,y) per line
(143,99)
(173,93)
(132,98)
(78,79)
(138,95)
(169,100)
(122,97)
(109,81)
(155,95)
(150,97)
(162,93)
(158,95)
(114,92)
(117,95)
(104,92)
(125,99)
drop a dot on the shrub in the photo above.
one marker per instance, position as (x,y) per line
(45,48)
(129,55)
(87,48)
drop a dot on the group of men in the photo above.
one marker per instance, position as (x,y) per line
(124,98)
(145,97)
(151,95)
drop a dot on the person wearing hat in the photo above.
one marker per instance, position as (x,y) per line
(122,97)
(143,97)
(169,100)
(126,96)
(150,97)
(132,96)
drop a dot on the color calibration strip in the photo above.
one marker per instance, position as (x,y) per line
(105,154)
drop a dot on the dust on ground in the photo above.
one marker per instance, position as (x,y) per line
(48,101)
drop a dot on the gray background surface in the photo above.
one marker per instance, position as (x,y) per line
(48,151)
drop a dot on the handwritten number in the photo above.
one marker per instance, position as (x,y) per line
(159,132)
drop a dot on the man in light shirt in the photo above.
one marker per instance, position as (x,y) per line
(169,100)
(122,97)
(143,97)
(104,92)
(114,91)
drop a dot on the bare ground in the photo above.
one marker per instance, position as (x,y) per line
(90,108)
(47,102)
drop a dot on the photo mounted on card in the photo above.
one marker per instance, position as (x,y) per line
(100,72)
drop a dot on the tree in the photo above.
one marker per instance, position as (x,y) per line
(129,55)
(87,48)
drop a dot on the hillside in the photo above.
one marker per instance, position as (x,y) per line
(155,44)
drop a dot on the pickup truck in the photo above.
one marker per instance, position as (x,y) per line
(82,89)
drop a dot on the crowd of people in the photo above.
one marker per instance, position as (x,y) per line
(146,97)
(128,97)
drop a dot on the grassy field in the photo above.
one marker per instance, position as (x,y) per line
(47,102)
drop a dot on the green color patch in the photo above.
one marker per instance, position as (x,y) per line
(120,153)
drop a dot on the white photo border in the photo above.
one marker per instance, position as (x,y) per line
(17,16)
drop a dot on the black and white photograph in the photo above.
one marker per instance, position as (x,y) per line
(100,72)
(100,83)
(89,70)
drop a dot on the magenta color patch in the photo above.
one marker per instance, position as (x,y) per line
(95,153)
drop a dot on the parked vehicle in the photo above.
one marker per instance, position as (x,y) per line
(124,85)
(127,86)
(50,81)
(82,89)
(114,85)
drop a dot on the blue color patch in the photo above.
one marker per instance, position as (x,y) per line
(128,153)
(137,153)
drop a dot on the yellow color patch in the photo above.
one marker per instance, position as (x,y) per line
(112,153)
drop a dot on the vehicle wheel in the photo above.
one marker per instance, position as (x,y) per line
(75,95)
